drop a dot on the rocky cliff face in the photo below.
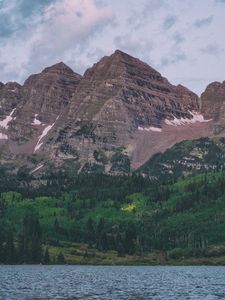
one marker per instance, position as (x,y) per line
(28,111)
(10,98)
(123,102)
(112,119)
(147,97)
(45,95)
(213,106)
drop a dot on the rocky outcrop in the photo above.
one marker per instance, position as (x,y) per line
(213,106)
(186,158)
(114,118)
(45,95)
(10,98)
(119,100)
(147,97)
(29,111)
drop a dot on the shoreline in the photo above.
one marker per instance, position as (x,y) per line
(181,263)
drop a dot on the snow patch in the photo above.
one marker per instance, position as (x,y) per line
(3,136)
(109,84)
(196,117)
(38,146)
(36,121)
(151,128)
(5,123)
(35,170)
(44,133)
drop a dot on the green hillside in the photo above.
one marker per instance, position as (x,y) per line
(106,219)
(185,159)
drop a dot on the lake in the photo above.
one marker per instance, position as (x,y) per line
(112,283)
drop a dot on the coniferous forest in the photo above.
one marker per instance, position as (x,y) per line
(96,218)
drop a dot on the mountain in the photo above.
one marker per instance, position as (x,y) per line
(198,156)
(120,102)
(33,109)
(112,119)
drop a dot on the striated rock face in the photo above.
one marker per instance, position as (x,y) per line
(147,97)
(45,95)
(112,119)
(119,102)
(29,111)
(50,91)
(213,105)
(10,98)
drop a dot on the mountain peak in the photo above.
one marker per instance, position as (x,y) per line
(12,84)
(133,64)
(60,68)
(120,103)
(120,53)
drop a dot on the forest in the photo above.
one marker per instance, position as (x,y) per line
(60,218)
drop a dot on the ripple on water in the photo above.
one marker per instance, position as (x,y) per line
(111,283)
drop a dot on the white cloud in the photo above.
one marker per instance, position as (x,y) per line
(71,20)
(182,39)
(63,28)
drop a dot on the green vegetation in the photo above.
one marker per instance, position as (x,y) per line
(120,162)
(68,149)
(185,159)
(96,218)
(86,130)
(100,156)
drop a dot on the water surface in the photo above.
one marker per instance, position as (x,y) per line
(112,283)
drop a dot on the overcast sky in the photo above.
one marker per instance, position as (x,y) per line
(184,40)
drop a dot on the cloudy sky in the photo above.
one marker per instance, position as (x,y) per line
(184,40)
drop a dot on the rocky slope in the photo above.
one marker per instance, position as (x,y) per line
(45,95)
(186,158)
(10,98)
(213,106)
(29,111)
(113,119)
(123,102)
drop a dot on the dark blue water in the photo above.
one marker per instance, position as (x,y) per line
(112,283)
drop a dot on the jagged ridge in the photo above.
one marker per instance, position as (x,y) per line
(119,114)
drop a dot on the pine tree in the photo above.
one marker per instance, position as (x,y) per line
(130,236)
(90,231)
(102,242)
(2,258)
(10,252)
(30,239)
(60,258)
(46,259)
(36,248)
(120,250)
(56,225)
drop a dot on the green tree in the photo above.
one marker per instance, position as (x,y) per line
(120,250)
(30,239)
(60,258)
(90,229)
(46,258)
(10,252)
